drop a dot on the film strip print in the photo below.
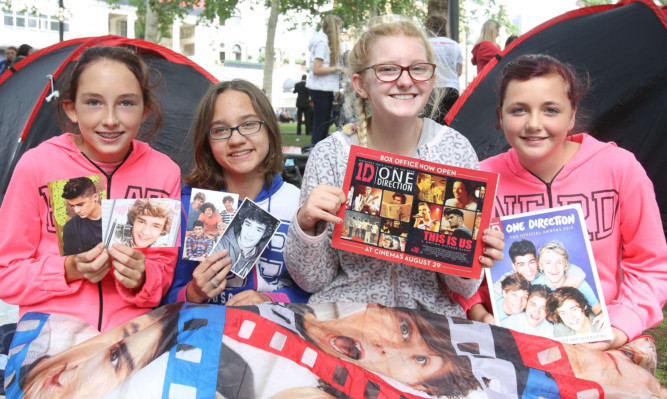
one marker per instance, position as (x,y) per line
(257,331)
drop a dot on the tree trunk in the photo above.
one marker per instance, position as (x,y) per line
(151,23)
(436,7)
(269,52)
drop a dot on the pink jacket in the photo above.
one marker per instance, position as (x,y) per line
(32,272)
(622,217)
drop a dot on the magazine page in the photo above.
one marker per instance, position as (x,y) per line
(209,214)
(77,212)
(415,212)
(548,284)
(141,222)
(247,235)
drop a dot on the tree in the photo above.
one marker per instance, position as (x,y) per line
(155,17)
(267,82)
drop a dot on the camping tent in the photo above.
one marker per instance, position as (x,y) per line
(623,47)
(28,107)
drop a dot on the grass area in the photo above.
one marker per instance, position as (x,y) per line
(294,140)
(660,334)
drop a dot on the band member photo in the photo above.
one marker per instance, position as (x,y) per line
(247,236)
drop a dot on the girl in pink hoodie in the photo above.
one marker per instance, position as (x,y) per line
(548,167)
(107,99)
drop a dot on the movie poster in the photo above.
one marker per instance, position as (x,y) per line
(547,284)
(415,212)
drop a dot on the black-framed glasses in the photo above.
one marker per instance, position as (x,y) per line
(225,132)
(392,72)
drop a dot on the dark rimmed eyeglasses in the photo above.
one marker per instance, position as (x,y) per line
(244,129)
(392,72)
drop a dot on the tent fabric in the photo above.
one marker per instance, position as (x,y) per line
(623,48)
(27,118)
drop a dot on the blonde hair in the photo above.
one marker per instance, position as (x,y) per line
(330,27)
(488,29)
(358,59)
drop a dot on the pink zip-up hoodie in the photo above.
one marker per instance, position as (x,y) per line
(32,272)
(622,217)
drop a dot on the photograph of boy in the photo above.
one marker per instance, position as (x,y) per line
(534,319)
(368,200)
(227,213)
(194,211)
(427,217)
(210,217)
(197,245)
(247,236)
(454,224)
(396,206)
(515,296)
(430,188)
(83,231)
(463,196)
(147,220)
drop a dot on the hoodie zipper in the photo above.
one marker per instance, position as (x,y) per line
(99,283)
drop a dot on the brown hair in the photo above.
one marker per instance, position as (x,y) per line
(531,66)
(358,59)
(151,207)
(455,381)
(207,173)
(134,63)
(559,296)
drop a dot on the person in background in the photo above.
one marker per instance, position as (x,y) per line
(10,55)
(304,113)
(323,78)
(449,65)
(486,47)
(23,51)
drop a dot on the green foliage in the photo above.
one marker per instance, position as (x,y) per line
(482,10)
(356,13)
(168,10)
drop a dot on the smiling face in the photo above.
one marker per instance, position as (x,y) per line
(403,98)
(146,230)
(536,117)
(251,233)
(526,265)
(460,192)
(109,109)
(380,340)
(198,230)
(514,301)
(228,206)
(554,266)
(572,315)
(239,156)
(536,310)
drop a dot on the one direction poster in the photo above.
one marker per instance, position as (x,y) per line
(415,212)
(548,284)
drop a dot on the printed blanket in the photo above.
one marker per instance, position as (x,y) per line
(333,350)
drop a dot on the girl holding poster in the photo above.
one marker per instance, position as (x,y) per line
(551,165)
(393,66)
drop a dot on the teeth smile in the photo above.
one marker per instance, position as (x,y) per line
(238,154)
(109,135)
(403,96)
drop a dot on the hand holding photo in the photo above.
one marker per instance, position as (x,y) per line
(142,222)
(247,235)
